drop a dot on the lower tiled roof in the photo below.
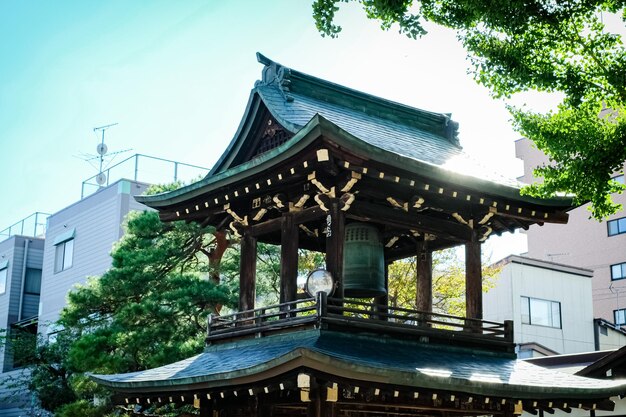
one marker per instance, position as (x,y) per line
(381,359)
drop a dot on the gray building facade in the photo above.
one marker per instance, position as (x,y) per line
(21,260)
(79,240)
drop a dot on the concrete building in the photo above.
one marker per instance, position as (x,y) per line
(21,259)
(78,242)
(549,303)
(585,243)
(608,335)
(79,239)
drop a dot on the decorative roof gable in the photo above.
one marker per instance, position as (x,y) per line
(293,98)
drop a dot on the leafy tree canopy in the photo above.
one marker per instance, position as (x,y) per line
(540,45)
(448,282)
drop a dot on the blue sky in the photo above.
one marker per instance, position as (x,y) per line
(176,76)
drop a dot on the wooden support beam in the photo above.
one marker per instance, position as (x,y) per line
(407,251)
(288,258)
(473,279)
(336,222)
(448,196)
(424,285)
(558,217)
(247,272)
(275,224)
(410,221)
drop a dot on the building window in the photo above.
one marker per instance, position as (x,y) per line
(4,272)
(617,226)
(64,255)
(541,312)
(619,178)
(32,281)
(620,317)
(64,250)
(618,271)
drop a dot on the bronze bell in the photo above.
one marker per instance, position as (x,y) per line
(363,262)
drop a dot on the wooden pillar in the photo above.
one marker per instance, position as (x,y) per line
(424,285)
(206,408)
(383,300)
(335,222)
(473,279)
(247,272)
(314,407)
(288,258)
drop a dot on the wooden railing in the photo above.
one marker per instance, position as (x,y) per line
(323,312)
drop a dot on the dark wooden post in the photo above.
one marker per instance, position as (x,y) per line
(314,407)
(473,279)
(288,258)
(247,272)
(424,285)
(382,301)
(206,408)
(334,245)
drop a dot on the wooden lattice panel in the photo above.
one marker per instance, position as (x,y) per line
(273,137)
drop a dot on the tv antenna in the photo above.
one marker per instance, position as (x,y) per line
(102,151)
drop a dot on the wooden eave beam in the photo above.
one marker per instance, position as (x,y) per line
(454,197)
(274,224)
(285,175)
(409,221)
(409,250)
(371,397)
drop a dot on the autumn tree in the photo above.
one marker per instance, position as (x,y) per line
(547,46)
(448,282)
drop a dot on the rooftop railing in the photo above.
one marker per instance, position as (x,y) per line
(323,312)
(144,168)
(33,226)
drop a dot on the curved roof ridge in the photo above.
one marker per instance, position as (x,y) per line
(291,81)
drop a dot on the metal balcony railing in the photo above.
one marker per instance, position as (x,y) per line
(32,226)
(144,168)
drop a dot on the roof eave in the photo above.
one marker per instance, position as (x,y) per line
(319,126)
(307,134)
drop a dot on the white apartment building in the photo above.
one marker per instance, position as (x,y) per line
(585,243)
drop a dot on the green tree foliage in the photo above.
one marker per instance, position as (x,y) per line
(45,371)
(268,270)
(542,45)
(80,408)
(150,308)
(448,283)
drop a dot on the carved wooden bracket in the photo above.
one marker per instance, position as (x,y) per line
(346,201)
(323,189)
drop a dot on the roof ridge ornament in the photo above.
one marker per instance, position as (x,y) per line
(275,73)
(451,129)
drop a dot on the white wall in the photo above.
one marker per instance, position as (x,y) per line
(573,292)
